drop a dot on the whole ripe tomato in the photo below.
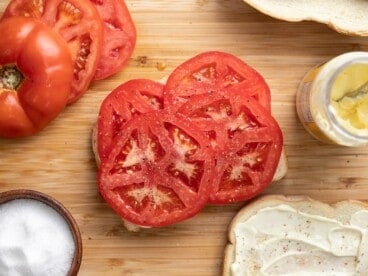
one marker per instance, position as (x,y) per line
(35,76)
(79,24)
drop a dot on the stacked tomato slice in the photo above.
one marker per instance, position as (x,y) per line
(207,136)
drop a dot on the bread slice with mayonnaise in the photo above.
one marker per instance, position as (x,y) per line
(296,235)
(345,16)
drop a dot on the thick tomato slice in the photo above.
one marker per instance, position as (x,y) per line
(159,171)
(246,140)
(35,74)
(124,102)
(218,71)
(79,23)
(119,37)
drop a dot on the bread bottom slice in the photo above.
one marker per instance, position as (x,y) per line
(346,213)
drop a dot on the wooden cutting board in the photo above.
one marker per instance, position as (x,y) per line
(59,160)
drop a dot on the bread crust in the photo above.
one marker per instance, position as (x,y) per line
(352,23)
(94,144)
(341,211)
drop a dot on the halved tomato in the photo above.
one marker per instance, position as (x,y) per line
(218,71)
(119,37)
(159,170)
(124,102)
(246,140)
(79,23)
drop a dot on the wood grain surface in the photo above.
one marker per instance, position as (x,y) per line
(59,160)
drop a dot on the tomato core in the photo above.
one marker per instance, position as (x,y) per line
(10,77)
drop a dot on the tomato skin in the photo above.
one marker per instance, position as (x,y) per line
(119,37)
(46,65)
(218,71)
(150,192)
(124,102)
(79,24)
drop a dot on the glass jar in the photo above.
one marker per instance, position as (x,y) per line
(322,96)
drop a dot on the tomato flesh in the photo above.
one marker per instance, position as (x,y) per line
(78,22)
(119,37)
(122,104)
(158,172)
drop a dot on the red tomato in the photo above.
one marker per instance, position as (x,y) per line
(35,76)
(124,102)
(78,22)
(246,140)
(218,71)
(158,172)
(119,37)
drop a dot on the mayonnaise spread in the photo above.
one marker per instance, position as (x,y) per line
(349,98)
(281,240)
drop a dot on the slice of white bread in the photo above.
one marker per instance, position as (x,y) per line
(345,16)
(240,253)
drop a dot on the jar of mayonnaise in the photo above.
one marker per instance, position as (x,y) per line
(332,100)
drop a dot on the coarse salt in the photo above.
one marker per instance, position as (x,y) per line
(34,240)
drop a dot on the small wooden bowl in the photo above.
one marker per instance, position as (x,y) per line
(58,207)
